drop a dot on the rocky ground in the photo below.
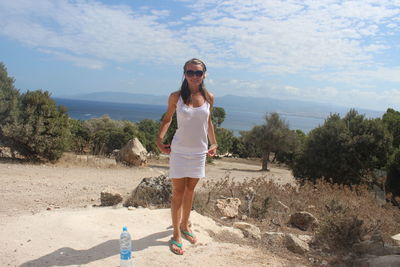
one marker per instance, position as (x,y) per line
(46,209)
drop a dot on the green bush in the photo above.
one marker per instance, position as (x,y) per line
(37,129)
(148,130)
(31,123)
(101,136)
(346,150)
(80,137)
(392,184)
(225,139)
(392,121)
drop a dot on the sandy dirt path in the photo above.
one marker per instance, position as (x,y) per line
(47,218)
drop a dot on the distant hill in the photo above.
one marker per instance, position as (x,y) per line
(238,104)
(121,97)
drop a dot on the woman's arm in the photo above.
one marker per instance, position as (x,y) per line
(211,133)
(172,100)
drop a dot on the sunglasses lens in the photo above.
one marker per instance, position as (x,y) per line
(192,73)
(189,73)
(198,73)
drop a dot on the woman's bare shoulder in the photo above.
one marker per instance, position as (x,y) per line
(211,97)
(174,96)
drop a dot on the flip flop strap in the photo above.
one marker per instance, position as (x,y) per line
(179,245)
(188,233)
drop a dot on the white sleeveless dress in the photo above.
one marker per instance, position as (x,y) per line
(190,143)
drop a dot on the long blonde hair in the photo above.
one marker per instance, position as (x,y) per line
(184,91)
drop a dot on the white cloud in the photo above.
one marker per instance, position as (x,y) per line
(275,36)
(91,29)
(368,99)
(362,78)
(294,36)
(77,60)
(329,42)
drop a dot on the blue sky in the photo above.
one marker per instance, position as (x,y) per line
(340,52)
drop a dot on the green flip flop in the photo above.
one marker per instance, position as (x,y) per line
(186,236)
(179,245)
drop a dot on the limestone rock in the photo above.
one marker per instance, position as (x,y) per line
(151,191)
(133,153)
(303,220)
(397,239)
(110,198)
(248,229)
(294,244)
(273,239)
(228,207)
(306,238)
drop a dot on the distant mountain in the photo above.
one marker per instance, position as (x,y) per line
(237,104)
(121,97)
(287,107)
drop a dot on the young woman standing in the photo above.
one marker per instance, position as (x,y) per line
(189,147)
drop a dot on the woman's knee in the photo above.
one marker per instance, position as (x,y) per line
(191,184)
(178,187)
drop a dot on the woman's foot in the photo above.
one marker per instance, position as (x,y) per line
(188,235)
(176,247)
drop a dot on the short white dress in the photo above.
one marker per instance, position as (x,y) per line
(189,145)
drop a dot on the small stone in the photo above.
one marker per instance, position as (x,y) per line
(303,220)
(248,230)
(110,198)
(131,208)
(48,208)
(228,207)
(396,238)
(294,244)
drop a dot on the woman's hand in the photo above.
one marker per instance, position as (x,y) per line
(164,148)
(212,151)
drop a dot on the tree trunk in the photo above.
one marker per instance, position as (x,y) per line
(265,160)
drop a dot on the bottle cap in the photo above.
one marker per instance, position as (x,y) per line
(124,228)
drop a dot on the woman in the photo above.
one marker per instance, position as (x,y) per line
(189,147)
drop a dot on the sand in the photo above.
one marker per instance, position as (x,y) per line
(47,218)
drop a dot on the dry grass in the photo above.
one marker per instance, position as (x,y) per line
(346,214)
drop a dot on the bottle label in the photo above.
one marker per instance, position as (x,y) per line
(125,254)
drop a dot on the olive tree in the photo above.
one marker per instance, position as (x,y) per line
(273,136)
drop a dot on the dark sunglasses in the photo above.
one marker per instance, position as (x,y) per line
(192,73)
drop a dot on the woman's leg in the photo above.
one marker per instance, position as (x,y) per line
(187,203)
(178,189)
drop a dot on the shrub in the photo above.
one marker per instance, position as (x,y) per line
(345,150)
(31,123)
(101,135)
(269,206)
(147,134)
(392,184)
(340,228)
(38,129)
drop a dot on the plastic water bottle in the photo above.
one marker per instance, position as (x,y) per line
(125,248)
